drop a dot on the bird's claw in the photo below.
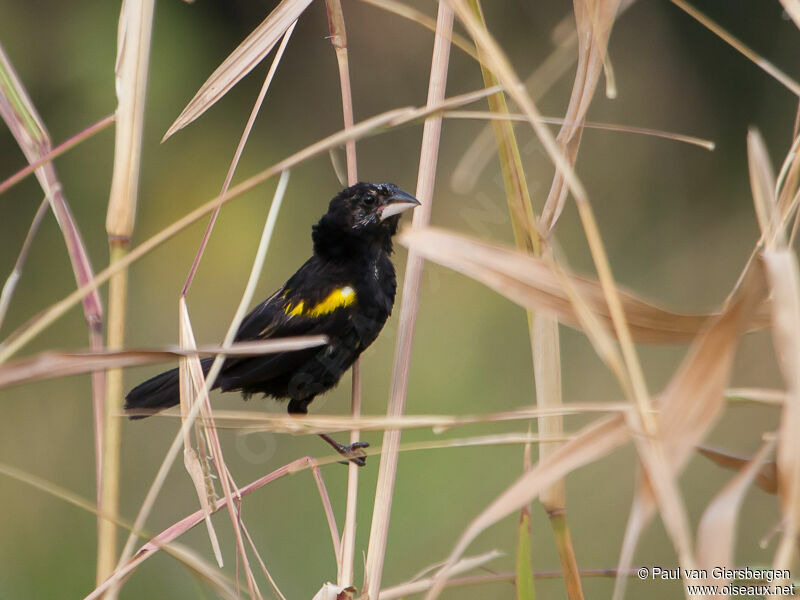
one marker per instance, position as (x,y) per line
(354,453)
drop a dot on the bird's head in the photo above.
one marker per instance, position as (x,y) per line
(366,211)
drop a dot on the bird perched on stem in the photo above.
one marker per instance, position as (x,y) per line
(345,291)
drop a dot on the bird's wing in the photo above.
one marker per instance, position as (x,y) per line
(313,302)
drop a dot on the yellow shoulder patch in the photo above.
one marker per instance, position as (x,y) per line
(338,298)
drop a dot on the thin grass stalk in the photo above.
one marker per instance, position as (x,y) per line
(133,56)
(621,128)
(346,552)
(13,277)
(408,306)
(56,152)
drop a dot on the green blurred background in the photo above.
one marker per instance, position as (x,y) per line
(677,221)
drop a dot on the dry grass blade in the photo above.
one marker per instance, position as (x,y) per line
(591,444)
(426,176)
(516,117)
(762,184)
(48,365)
(251,422)
(766,478)
(594,20)
(692,402)
(11,283)
(241,61)
(716,532)
(759,60)
(530,282)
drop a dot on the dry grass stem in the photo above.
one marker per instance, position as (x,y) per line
(131,69)
(251,422)
(408,306)
(345,550)
(48,365)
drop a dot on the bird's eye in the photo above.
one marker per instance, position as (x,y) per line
(369,200)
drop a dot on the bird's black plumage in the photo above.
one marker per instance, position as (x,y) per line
(345,291)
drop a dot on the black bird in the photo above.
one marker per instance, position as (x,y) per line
(345,291)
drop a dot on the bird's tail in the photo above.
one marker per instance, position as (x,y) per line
(157,393)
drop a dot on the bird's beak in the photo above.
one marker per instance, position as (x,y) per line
(399,202)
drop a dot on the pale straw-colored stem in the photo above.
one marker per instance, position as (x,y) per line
(408,306)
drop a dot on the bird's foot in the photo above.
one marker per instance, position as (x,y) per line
(354,452)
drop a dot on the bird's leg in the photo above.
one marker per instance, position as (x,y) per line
(353,452)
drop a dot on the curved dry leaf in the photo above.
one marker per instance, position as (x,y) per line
(762,184)
(693,400)
(767,477)
(241,61)
(531,283)
(716,532)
